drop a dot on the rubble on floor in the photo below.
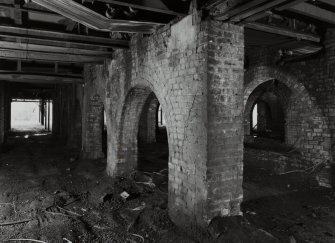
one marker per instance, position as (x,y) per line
(49,194)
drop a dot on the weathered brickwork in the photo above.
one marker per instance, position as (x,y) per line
(225,112)
(148,120)
(312,108)
(260,93)
(195,69)
(303,116)
(94,128)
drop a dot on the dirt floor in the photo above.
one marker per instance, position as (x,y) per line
(48,193)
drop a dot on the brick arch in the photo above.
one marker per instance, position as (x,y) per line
(306,127)
(94,128)
(282,92)
(125,150)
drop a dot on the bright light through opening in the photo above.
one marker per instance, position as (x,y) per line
(26,115)
(254,117)
(161,119)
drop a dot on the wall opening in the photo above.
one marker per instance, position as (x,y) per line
(104,135)
(142,145)
(254,117)
(265,147)
(153,150)
(31,116)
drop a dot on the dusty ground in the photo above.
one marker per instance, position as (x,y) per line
(62,198)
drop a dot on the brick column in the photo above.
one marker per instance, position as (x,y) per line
(94,121)
(195,69)
(225,119)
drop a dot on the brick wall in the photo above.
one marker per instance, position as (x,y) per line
(94,120)
(304,119)
(195,69)
(312,111)
(225,114)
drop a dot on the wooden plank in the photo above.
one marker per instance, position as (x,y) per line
(91,19)
(282,31)
(150,5)
(329,2)
(9,7)
(213,4)
(52,57)
(52,49)
(42,78)
(261,8)
(52,35)
(290,4)
(257,16)
(66,44)
(314,12)
(228,14)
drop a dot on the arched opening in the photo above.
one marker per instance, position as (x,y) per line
(267,117)
(104,135)
(153,151)
(142,144)
(279,115)
(267,149)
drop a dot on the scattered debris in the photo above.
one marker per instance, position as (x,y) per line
(15,222)
(292,239)
(138,236)
(68,211)
(39,241)
(124,195)
(139,208)
(67,241)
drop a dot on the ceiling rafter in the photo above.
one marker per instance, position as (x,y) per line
(259,9)
(283,32)
(63,37)
(312,11)
(91,19)
(22,54)
(40,78)
(150,5)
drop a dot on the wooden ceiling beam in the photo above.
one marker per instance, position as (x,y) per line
(59,43)
(52,49)
(39,78)
(231,12)
(260,9)
(266,13)
(329,2)
(48,57)
(150,5)
(289,4)
(93,20)
(53,35)
(312,11)
(11,8)
(283,32)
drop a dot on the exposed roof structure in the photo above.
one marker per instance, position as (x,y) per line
(62,35)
